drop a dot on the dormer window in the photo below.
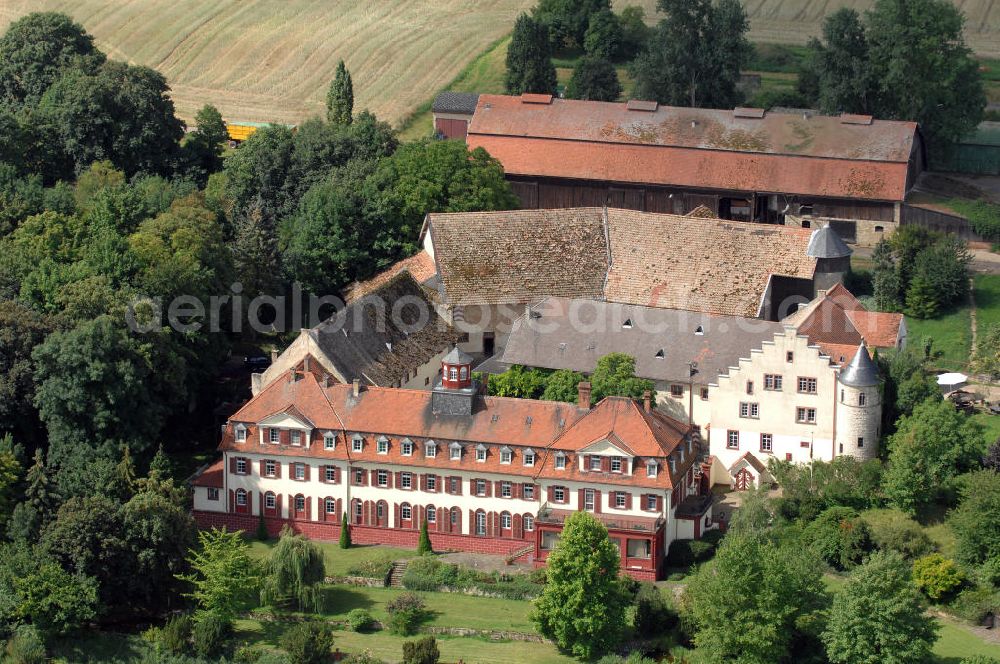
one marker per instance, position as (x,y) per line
(296,438)
(274,436)
(241,433)
(406,447)
(595,463)
(560,461)
(430,449)
(455,450)
(660,354)
(328,440)
(529,457)
(627,325)
(358,443)
(699,330)
(383,445)
(506,455)
(651,468)
(616,464)
(480,453)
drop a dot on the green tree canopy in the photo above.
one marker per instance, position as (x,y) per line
(41,499)
(563,385)
(614,375)
(204,145)
(294,573)
(340,97)
(754,600)
(567,21)
(34,52)
(21,330)
(930,447)
(840,537)
(976,520)
(694,55)
(582,607)
(604,35)
(877,618)
(842,67)
(808,489)
(529,61)
(224,576)
(594,78)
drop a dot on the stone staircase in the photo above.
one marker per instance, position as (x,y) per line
(515,556)
(395,577)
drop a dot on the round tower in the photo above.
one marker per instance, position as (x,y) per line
(456,370)
(859,407)
(833,258)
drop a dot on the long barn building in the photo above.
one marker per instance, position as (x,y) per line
(788,167)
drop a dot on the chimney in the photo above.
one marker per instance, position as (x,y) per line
(647,401)
(305,363)
(583,390)
(293,375)
(274,355)
(326,380)
(357,386)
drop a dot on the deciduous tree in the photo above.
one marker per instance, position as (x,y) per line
(877,618)
(604,35)
(223,575)
(582,607)
(614,375)
(562,385)
(594,78)
(976,520)
(294,573)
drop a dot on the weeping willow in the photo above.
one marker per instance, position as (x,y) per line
(294,574)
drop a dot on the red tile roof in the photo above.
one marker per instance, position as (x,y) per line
(211,476)
(420,266)
(697,148)
(837,322)
(544,426)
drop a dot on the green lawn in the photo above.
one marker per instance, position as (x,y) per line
(991,426)
(987,294)
(339,561)
(447,609)
(952,335)
(956,642)
(389,647)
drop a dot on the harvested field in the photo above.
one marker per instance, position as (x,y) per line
(794,21)
(272,60)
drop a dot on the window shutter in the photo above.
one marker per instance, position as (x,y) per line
(489,489)
(285,436)
(606,464)
(308,471)
(597,502)
(232,500)
(261,501)
(309,503)
(265,435)
(515,490)
(423,482)
(659,503)
(232,465)
(496,490)
(397,481)
(586,463)
(472,523)
(458,481)
(490,523)
(628,500)
(396,514)
(277,505)
(552,494)
(277,469)
(388,479)
(373,478)
(517,531)
(261,467)
(580,497)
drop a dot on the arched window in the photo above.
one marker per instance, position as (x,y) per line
(270,502)
(453,373)
(454,516)
(241,497)
(432,514)
(529,523)
(480,522)
(300,503)
(405,512)
(464,373)
(505,521)
(380,509)
(359,510)
(330,505)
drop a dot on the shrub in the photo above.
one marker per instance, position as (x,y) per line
(210,633)
(308,642)
(262,535)
(840,537)
(422,574)
(375,567)
(989,572)
(25,647)
(892,530)
(345,533)
(937,576)
(634,657)
(685,553)
(980,659)
(974,604)
(406,612)
(249,655)
(360,620)
(713,537)
(366,657)
(652,611)
(421,651)
(175,636)
(273,657)
(424,545)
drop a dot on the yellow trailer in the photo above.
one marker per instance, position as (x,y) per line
(240,131)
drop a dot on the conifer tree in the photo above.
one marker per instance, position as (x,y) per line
(921,301)
(345,533)
(424,545)
(159,467)
(529,62)
(262,535)
(340,97)
(40,503)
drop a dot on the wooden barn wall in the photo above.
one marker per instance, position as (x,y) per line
(853,210)
(939,221)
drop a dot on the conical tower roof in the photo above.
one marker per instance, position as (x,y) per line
(825,243)
(456,356)
(862,371)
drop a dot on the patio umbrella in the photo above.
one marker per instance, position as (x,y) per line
(951,380)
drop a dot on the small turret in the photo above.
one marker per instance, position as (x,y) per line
(456,370)
(833,258)
(859,406)
(456,394)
